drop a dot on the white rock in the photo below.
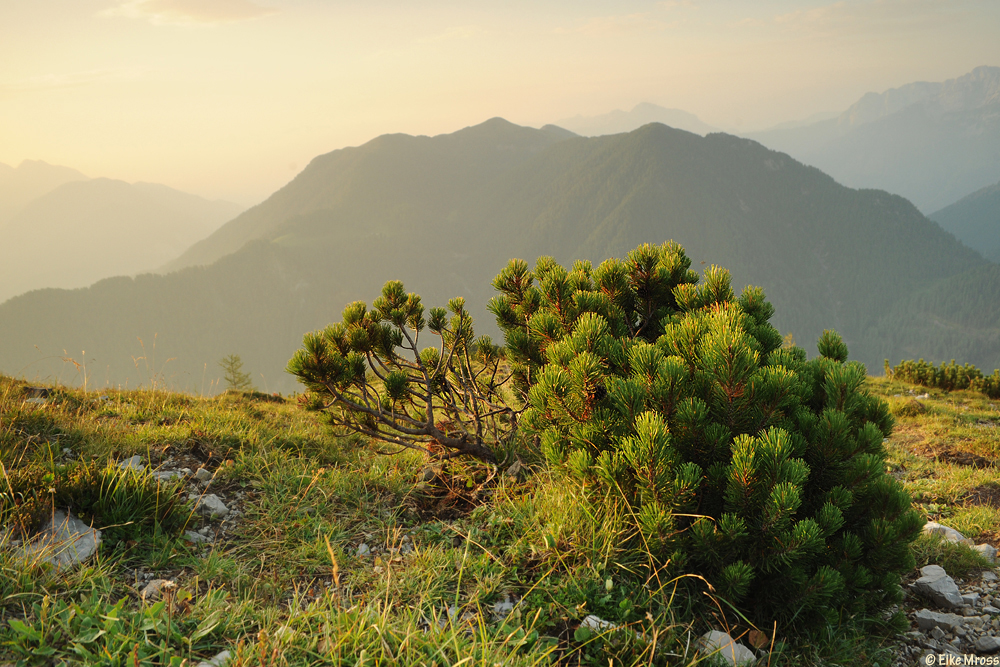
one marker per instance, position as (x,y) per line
(210,506)
(64,542)
(721,644)
(503,607)
(950,534)
(987,644)
(927,619)
(597,624)
(990,609)
(202,475)
(937,633)
(970,598)
(218,661)
(990,576)
(938,586)
(167,475)
(134,463)
(988,551)
(364,550)
(192,536)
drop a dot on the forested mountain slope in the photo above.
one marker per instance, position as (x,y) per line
(444,214)
(975,220)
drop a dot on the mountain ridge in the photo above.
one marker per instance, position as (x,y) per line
(85,230)
(932,143)
(825,254)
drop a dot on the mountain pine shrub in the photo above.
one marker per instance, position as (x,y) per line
(947,376)
(741,461)
(371,375)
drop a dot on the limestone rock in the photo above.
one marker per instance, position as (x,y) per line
(987,644)
(988,551)
(597,624)
(950,534)
(218,661)
(167,475)
(938,586)
(192,536)
(721,644)
(502,608)
(134,463)
(927,619)
(202,475)
(64,542)
(210,506)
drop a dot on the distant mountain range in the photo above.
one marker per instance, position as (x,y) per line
(29,180)
(445,213)
(619,121)
(932,143)
(63,229)
(975,220)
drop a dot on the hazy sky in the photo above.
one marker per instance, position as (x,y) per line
(231,98)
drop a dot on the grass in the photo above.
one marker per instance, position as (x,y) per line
(339,556)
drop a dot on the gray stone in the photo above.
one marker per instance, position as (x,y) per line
(990,609)
(154,589)
(597,624)
(987,644)
(218,661)
(721,644)
(502,608)
(937,633)
(950,534)
(202,475)
(970,598)
(364,550)
(927,619)
(64,542)
(990,576)
(134,463)
(192,536)
(988,552)
(167,475)
(210,506)
(938,586)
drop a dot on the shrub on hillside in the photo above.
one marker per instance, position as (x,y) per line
(743,462)
(947,376)
(740,461)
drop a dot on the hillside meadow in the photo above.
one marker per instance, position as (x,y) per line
(335,554)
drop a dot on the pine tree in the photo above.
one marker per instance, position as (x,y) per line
(743,462)
(233,374)
(371,375)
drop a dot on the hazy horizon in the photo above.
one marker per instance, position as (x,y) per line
(229,99)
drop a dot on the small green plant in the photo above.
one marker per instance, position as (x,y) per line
(234,375)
